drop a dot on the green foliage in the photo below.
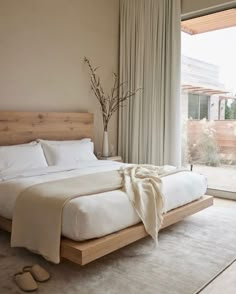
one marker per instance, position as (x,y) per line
(230,111)
(233,110)
(227,111)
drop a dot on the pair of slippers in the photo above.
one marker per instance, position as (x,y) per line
(30,275)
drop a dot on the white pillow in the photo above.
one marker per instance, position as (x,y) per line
(24,156)
(68,153)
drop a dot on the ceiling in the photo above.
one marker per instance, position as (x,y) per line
(211,22)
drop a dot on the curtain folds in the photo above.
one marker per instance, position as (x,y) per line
(149,124)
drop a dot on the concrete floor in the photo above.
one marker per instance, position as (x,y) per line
(224,203)
(219,178)
(226,281)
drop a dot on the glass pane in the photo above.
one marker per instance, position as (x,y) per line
(204,107)
(193,106)
(209,98)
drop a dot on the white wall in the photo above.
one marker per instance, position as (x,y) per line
(42,45)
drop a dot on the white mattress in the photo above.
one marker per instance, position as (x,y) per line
(101,214)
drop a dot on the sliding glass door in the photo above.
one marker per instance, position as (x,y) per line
(209,100)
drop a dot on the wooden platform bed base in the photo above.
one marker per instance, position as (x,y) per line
(87,251)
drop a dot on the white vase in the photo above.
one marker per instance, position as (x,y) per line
(105,146)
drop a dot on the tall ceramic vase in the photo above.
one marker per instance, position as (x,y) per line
(105,147)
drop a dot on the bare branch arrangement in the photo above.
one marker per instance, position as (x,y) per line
(109,103)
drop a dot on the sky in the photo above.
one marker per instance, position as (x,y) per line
(217,47)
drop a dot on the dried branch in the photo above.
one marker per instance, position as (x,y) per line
(109,103)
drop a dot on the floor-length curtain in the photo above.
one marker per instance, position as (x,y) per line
(149,124)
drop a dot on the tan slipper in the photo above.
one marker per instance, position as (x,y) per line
(25,282)
(38,272)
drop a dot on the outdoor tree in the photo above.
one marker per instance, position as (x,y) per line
(230,110)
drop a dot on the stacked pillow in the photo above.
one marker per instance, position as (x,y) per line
(68,152)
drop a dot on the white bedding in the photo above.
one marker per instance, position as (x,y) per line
(101,214)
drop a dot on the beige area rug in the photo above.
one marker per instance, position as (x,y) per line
(189,254)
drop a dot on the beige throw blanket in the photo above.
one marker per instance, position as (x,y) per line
(37,217)
(143,186)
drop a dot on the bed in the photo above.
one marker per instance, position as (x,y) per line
(89,229)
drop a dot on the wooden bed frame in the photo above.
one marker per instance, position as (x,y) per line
(23,127)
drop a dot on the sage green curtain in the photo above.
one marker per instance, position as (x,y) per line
(149,124)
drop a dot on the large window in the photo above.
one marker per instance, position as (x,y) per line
(208,99)
(198,106)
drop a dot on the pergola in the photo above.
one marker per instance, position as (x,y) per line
(227,97)
(202,90)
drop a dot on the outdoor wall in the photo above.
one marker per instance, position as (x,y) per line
(223,131)
(214,109)
(42,45)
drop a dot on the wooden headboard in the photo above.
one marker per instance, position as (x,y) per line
(23,127)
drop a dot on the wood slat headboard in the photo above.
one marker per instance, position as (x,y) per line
(23,127)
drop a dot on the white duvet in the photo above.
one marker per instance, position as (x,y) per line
(101,214)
